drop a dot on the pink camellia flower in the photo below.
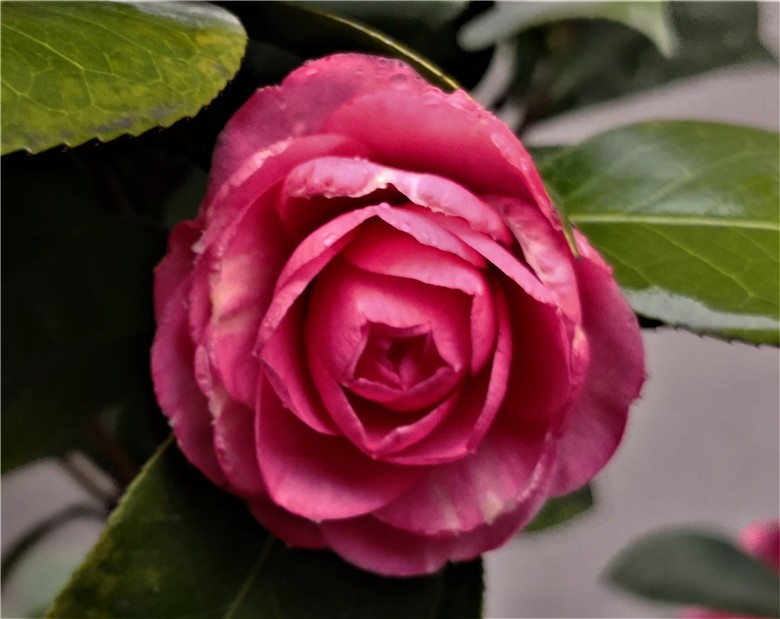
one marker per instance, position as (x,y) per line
(760,539)
(375,332)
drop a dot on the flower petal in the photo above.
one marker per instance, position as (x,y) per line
(488,159)
(464,495)
(355,178)
(394,253)
(305,99)
(173,356)
(320,477)
(285,367)
(376,546)
(546,251)
(614,378)
(176,266)
(481,397)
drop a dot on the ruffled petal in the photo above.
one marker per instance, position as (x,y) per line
(389,252)
(320,477)
(376,546)
(488,159)
(241,282)
(176,266)
(614,377)
(301,104)
(173,357)
(464,495)
(355,178)
(546,251)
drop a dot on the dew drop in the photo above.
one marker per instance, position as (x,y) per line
(329,239)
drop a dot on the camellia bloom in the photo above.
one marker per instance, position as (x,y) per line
(760,539)
(375,331)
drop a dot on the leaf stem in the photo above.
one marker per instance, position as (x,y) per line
(123,468)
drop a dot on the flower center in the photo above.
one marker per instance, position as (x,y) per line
(398,358)
(401,368)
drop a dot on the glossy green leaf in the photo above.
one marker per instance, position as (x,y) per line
(651,18)
(697,568)
(560,510)
(687,214)
(177,546)
(74,71)
(311,33)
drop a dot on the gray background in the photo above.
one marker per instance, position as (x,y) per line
(701,446)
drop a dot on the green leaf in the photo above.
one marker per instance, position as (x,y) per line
(74,71)
(687,214)
(697,568)
(562,509)
(311,33)
(177,546)
(650,17)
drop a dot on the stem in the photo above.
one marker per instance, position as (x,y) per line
(122,466)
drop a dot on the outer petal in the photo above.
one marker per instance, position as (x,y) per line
(320,477)
(303,102)
(233,428)
(488,159)
(614,378)
(476,490)
(173,356)
(251,254)
(176,266)
(373,545)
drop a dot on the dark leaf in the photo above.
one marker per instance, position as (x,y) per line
(177,546)
(697,568)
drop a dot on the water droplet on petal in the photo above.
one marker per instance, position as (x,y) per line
(329,239)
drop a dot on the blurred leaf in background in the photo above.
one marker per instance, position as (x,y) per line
(694,567)
(566,64)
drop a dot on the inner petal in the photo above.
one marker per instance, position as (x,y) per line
(401,368)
